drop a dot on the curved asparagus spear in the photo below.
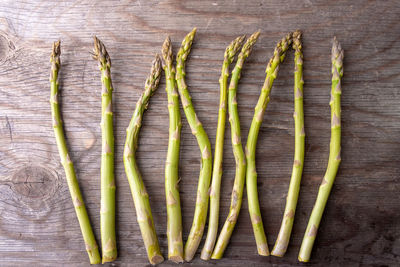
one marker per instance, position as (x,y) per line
(107,211)
(334,155)
(230,53)
(251,173)
(282,241)
(70,175)
(138,189)
(200,213)
(240,159)
(174,224)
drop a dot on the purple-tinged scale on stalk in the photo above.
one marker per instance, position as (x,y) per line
(313,231)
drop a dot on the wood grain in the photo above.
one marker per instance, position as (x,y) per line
(361,225)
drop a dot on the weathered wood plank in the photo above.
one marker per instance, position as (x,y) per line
(361,225)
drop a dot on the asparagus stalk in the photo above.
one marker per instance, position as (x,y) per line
(174,224)
(107,211)
(200,213)
(282,241)
(251,173)
(240,159)
(77,200)
(230,53)
(138,189)
(334,155)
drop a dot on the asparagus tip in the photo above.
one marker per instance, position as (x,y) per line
(246,49)
(100,52)
(189,37)
(234,47)
(166,51)
(56,49)
(337,52)
(166,46)
(186,45)
(155,74)
(240,39)
(55,57)
(297,34)
(255,35)
(253,38)
(156,62)
(297,40)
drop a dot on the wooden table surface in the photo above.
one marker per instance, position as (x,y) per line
(361,225)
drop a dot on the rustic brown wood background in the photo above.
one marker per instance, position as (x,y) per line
(361,225)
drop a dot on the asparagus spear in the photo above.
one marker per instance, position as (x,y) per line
(107,211)
(230,53)
(174,224)
(70,175)
(251,173)
(138,189)
(334,155)
(200,213)
(282,241)
(240,159)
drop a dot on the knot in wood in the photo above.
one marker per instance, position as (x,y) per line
(34,182)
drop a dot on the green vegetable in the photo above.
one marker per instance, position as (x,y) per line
(240,159)
(282,241)
(334,155)
(107,211)
(200,213)
(138,190)
(77,200)
(251,173)
(230,53)
(174,224)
